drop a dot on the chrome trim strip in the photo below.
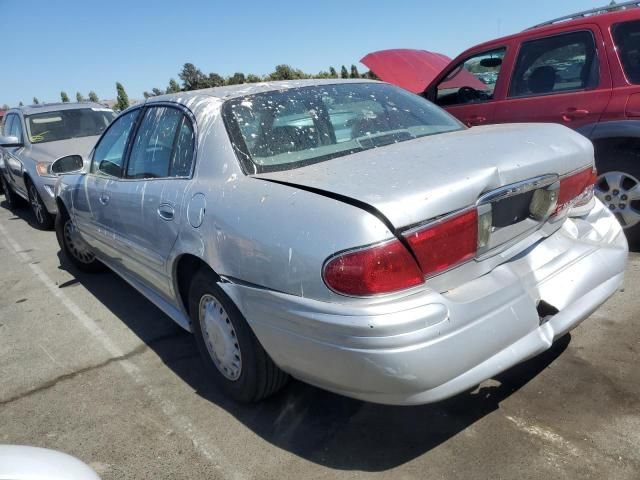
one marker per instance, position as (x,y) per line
(517,188)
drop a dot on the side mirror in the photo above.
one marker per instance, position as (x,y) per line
(10,142)
(68,164)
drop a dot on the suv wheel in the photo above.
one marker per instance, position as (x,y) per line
(12,199)
(73,247)
(234,358)
(618,187)
(44,220)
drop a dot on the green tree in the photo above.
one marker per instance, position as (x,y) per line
(173,86)
(333,73)
(146,94)
(79,97)
(370,75)
(214,80)
(93,97)
(64,97)
(21,104)
(251,78)
(192,78)
(354,72)
(236,79)
(122,100)
(285,72)
(157,91)
(5,107)
(36,101)
(343,72)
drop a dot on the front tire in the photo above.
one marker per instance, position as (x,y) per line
(74,248)
(234,358)
(44,220)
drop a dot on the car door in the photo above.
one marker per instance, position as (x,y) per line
(93,214)
(151,195)
(561,78)
(467,90)
(15,156)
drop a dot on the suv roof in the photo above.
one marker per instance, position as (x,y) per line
(603,16)
(52,107)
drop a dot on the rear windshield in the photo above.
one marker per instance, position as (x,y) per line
(627,38)
(289,129)
(65,124)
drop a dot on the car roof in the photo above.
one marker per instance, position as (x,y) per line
(632,13)
(55,107)
(235,91)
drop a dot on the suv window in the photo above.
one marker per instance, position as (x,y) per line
(627,38)
(163,146)
(108,158)
(14,128)
(6,127)
(562,63)
(471,81)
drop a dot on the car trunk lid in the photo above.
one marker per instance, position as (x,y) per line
(414,181)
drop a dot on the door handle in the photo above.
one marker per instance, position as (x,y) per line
(166,212)
(475,120)
(573,113)
(104,198)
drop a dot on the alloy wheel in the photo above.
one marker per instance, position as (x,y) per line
(620,192)
(36,204)
(220,337)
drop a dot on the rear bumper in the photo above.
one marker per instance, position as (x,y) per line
(430,346)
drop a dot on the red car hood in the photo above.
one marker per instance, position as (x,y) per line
(414,70)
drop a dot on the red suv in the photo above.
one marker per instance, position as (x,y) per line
(582,71)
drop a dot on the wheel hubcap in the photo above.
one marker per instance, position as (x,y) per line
(36,206)
(75,244)
(621,193)
(220,337)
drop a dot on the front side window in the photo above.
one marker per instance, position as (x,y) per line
(6,127)
(15,127)
(276,131)
(563,63)
(163,146)
(627,38)
(65,124)
(471,81)
(109,154)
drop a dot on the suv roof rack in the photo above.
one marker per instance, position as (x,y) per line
(587,13)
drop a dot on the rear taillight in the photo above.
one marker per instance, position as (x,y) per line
(445,243)
(576,189)
(383,268)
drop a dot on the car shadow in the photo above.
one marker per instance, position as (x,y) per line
(23,213)
(316,425)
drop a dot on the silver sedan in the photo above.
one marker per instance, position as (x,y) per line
(347,233)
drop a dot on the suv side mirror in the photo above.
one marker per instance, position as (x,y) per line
(10,142)
(68,164)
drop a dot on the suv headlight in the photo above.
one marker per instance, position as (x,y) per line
(44,169)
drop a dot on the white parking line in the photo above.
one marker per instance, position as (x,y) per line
(178,420)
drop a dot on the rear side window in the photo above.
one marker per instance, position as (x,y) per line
(558,64)
(163,146)
(627,38)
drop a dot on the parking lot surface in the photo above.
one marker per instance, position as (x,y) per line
(90,367)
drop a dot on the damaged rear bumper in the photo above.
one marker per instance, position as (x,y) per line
(429,346)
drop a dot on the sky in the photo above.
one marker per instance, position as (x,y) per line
(83,45)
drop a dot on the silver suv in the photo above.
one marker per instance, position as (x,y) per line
(32,138)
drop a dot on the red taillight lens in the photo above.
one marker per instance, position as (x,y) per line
(576,189)
(444,244)
(384,268)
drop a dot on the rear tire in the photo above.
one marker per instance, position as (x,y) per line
(12,199)
(618,187)
(77,253)
(232,354)
(44,220)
